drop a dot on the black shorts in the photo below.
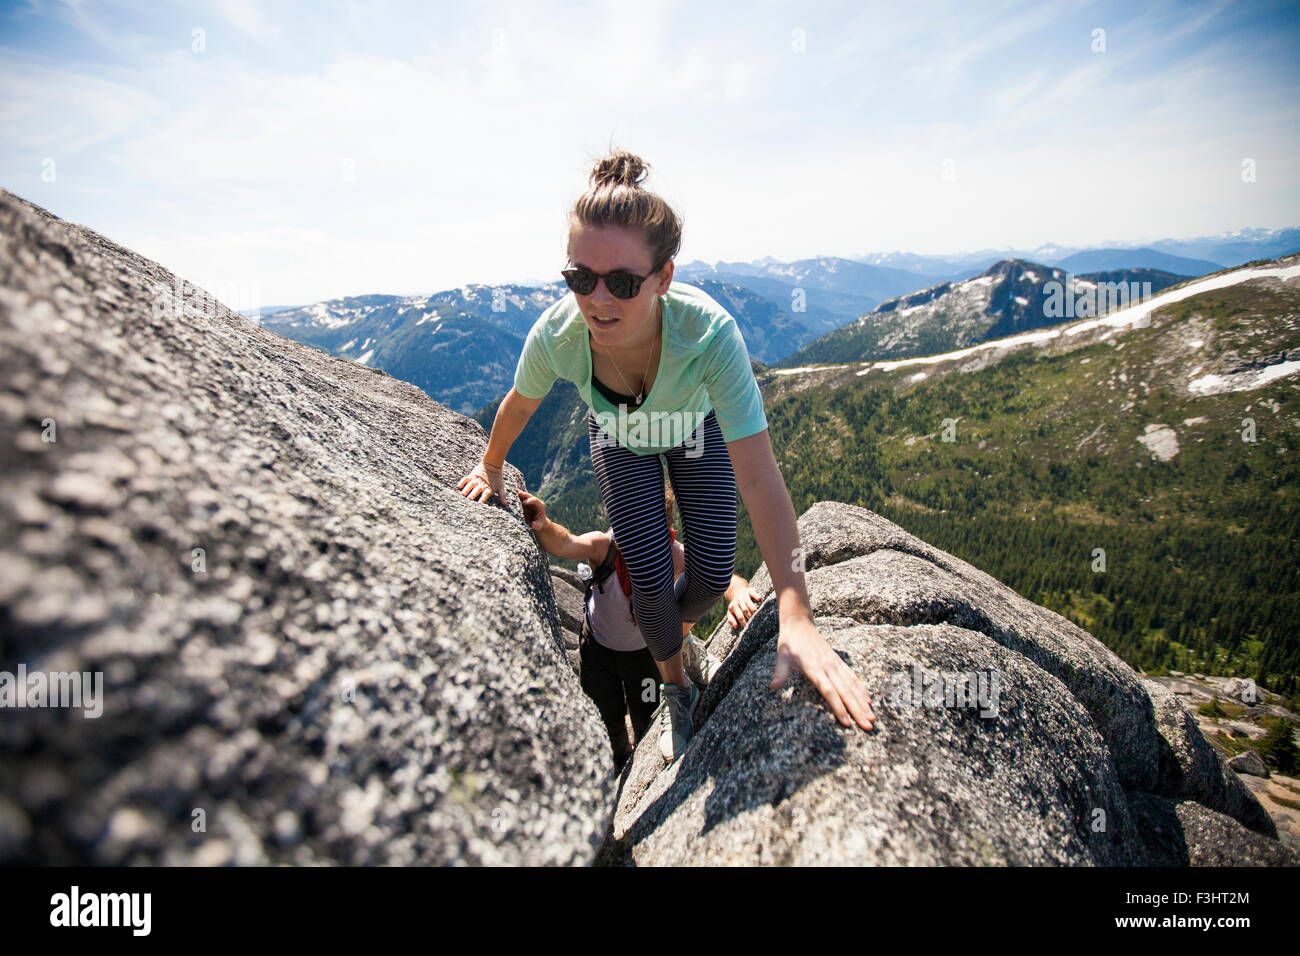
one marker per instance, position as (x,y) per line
(620,683)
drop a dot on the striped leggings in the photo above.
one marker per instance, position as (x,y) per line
(705,488)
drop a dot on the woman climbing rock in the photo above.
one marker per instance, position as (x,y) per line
(666,377)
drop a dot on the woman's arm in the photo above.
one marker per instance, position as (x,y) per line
(771,512)
(558,540)
(512,415)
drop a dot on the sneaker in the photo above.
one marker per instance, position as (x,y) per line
(675,718)
(693,660)
(699,666)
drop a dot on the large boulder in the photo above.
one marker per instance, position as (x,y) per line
(770,777)
(1249,762)
(1066,759)
(885,575)
(568,604)
(312,648)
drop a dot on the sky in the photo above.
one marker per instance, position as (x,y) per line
(286,153)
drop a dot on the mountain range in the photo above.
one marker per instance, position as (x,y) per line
(1218,251)
(460,345)
(1010,296)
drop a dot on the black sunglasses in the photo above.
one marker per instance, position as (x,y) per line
(621,285)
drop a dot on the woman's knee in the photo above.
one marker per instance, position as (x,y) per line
(695,600)
(711,569)
(654,602)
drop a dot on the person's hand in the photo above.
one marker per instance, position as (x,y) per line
(482,483)
(742,607)
(801,646)
(534,510)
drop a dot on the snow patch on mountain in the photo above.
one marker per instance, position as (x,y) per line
(1212,384)
(1139,311)
(1161,441)
(1120,319)
(804,368)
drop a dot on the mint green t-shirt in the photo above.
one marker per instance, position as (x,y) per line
(703,366)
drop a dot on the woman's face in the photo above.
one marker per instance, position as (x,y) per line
(612,249)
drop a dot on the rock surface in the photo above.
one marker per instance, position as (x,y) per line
(1186,833)
(1277,793)
(1190,768)
(568,604)
(1078,761)
(311,644)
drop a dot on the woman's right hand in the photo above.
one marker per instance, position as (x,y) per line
(742,607)
(481,484)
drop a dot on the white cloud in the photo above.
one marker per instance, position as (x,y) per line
(121,43)
(249,19)
(61,111)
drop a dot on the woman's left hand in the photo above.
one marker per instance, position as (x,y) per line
(800,645)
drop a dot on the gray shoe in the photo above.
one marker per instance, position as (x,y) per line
(675,718)
(694,660)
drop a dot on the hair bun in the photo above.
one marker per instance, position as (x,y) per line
(619,168)
(617,198)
